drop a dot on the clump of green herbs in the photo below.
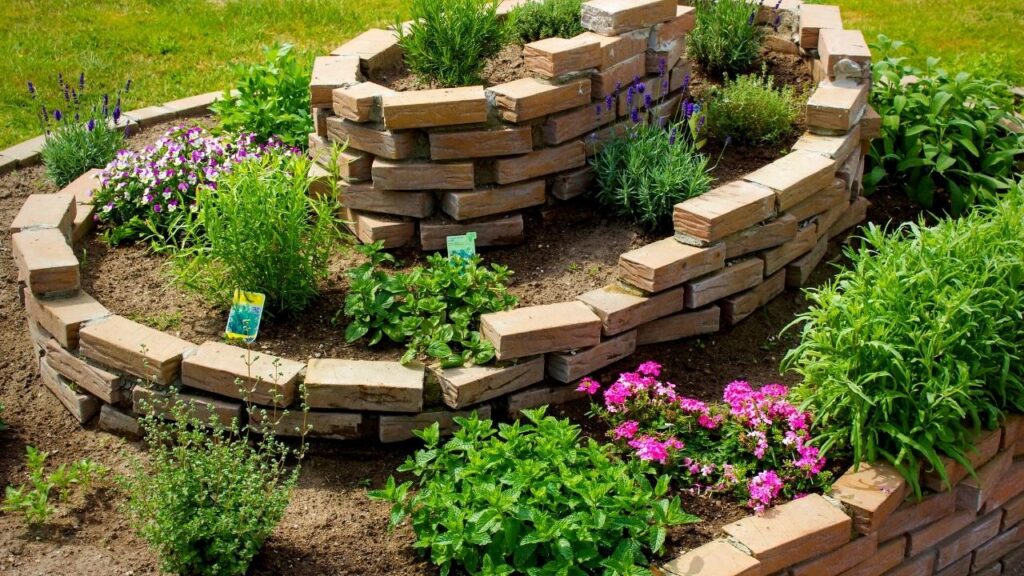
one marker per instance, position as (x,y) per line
(750,110)
(260,230)
(208,499)
(726,38)
(272,99)
(446,41)
(434,310)
(539,19)
(531,498)
(645,173)
(941,132)
(3,425)
(33,501)
(916,346)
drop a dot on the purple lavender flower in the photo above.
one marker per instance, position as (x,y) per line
(106,105)
(608,101)
(635,115)
(640,87)
(597,111)
(750,20)
(91,125)
(81,81)
(686,81)
(629,95)
(67,94)
(117,113)
(688,109)
(648,101)
(618,86)
(661,67)
(672,136)
(778,21)
(32,89)
(57,115)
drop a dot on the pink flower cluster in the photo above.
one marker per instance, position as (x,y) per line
(764,489)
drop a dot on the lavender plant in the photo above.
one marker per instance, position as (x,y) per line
(749,109)
(81,132)
(726,38)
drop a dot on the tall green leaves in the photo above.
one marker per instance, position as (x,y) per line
(726,38)
(918,343)
(941,131)
(446,41)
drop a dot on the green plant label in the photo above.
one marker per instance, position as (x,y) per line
(244,319)
(463,246)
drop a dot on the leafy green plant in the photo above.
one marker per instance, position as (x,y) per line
(272,99)
(916,346)
(645,173)
(260,230)
(33,501)
(531,498)
(447,41)
(3,425)
(750,110)
(82,132)
(941,132)
(539,19)
(726,38)
(434,310)
(207,500)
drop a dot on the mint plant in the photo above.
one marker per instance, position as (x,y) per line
(531,498)
(434,310)
(33,501)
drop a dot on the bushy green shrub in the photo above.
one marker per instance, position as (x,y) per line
(726,38)
(207,500)
(750,110)
(81,132)
(260,230)
(539,19)
(272,100)
(447,41)
(917,345)
(33,501)
(645,173)
(531,499)
(434,310)
(941,132)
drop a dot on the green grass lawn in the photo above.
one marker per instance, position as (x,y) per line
(176,48)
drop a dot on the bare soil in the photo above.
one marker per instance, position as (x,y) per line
(331,527)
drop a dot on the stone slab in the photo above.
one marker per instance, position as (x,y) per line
(367,138)
(738,307)
(114,421)
(611,80)
(763,236)
(82,406)
(856,214)
(872,492)
(243,374)
(162,403)
(364,385)
(836,106)
(377,50)
(613,17)
(684,325)
(422,175)
(529,98)
(540,329)
(45,261)
(723,211)
(820,202)
(716,558)
(63,317)
(540,396)
(392,231)
(621,308)
(570,366)
(735,277)
(330,72)
(192,106)
(96,381)
(363,196)
(777,258)
(432,108)
(565,126)
(798,272)
(42,211)
(835,45)
(540,163)
(615,49)
(482,143)
(666,263)
(491,201)
(352,165)
(556,57)
(814,18)
(569,185)
(359,102)
(133,348)
(501,231)
(398,428)
(465,386)
(840,560)
(795,177)
(839,148)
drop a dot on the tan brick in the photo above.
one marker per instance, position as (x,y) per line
(676,28)
(615,49)
(613,17)
(681,76)
(568,185)
(735,277)
(27,152)
(7,164)
(798,272)
(1014,511)
(45,261)
(795,177)
(364,196)
(364,385)
(920,565)
(598,140)
(716,558)
(239,373)
(820,202)
(739,306)
(792,532)
(352,164)
(912,515)
(430,108)
(622,308)
(960,545)
(870,124)
(1013,431)
(470,385)
(999,546)
(500,231)
(359,102)
(815,17)
(768,235)
(889,555)
(540,163)
(37,336)
(961,567)
(529,98)
(664,59)
(320,116)
(653,86)
(197,105)
(835,45)
(42,211)
(114,421)
(724,211)
(161,403)
(574,123)
(684,325)
(376,49)
(82,406)
(133,348)
(422,175)
(330,72)
(836,107)
(151,115)
(391,145)
(667,263)
(480,143)
(555,57)
(613,80)
(539,329)
(491,201)
(95,381)
(872,492)
(973,492)
(824,221)
(839,148)
(570,366)
(930,535)
(83,188)
(839,560)
(1009,487)
(541,396)
(63,317)
(777,258)
(327,425)
(400,427)
(985,447)
(856,214)
(390,230)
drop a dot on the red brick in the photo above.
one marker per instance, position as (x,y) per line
(873,492)
(962,543)
(1014,511)
(725,210)
(45,261)
(990,553)
(889,555)
(927,537)
(835,562)
(985,447)
(684,325)
(41,211)
(973,492)
(1010,486)
(1013,431)
(716,558)
(961,567)
(539,329)
(480,143)
(735,277)
(621,308)
(913,515)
